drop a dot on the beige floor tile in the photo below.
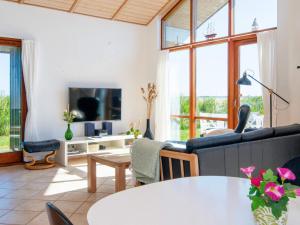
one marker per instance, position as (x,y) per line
(43,195)
(3,211)
(97,196)
(42,219)
(106,188)
(21,194)
(12,185)
(76,196)
(18,217)
(5,191)
(35,186)
(79,219)
(84,208)
(68,206)
(32,205)
(9,203)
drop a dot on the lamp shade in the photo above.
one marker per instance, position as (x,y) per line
(244,80)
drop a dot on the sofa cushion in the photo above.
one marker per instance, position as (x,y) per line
(212,141)
(287,130)
(41,146)
(258,134)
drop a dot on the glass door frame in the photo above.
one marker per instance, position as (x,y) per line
(235,75)
(16,156)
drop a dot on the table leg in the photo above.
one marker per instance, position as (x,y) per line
(92,178)
(120,184)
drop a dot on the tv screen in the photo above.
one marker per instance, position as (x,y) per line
(92,104)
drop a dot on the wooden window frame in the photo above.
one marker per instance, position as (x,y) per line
(15,157)
(234,41)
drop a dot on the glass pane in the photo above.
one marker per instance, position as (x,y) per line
(251,95)
(10,99)
(203,125)
(212,81)
(180,129)
(250,15)
(211,19)
(176,26)
(179,82)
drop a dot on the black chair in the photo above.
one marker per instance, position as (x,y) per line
(243,116)
(55,216)
(294,166)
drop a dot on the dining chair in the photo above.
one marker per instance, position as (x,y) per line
(243,116)
(55,216)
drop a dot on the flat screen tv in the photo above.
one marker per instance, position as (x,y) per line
(93,104)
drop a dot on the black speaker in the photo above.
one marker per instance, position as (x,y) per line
(89,129)
(108,127)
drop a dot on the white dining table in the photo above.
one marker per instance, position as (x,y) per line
(204,200)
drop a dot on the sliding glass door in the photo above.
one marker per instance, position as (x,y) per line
(10,103)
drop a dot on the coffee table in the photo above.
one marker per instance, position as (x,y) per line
(118,159)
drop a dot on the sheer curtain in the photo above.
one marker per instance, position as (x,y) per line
(162,107)
(30,80)
(267,53)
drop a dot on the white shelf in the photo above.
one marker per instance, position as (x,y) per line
(85,146)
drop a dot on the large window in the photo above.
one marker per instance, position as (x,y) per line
(251,15)
(212,86)
(204,38)
(180,96)
(10,98)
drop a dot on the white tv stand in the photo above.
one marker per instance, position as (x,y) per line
(82,146)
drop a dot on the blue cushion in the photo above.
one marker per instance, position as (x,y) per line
(258,134)
(41,146)
(213,141)
(287,130)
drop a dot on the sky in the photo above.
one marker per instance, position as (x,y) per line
(4,73)
(211,61)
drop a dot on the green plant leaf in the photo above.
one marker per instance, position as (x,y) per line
(257,202)
(269,176)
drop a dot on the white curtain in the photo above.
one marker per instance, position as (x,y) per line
(162,107)
(30,80)
(267,53)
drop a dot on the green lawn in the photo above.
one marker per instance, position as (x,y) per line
(4,144)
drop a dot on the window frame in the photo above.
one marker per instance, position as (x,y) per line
(234,41)
(17,156)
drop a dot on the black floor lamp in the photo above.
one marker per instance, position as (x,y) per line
(245,81)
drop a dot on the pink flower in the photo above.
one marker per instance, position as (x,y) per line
(286,174)
(262,172)
(255,181)
(248,171)
(297,191)
(274,191)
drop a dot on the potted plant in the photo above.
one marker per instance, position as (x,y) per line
(149,95)
(69,118)
(134,130)
(270,195)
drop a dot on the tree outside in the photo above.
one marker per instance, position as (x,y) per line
(212,105)
(4,123)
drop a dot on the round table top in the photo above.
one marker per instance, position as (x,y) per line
(186,201)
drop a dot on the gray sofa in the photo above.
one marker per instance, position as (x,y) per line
(224,155)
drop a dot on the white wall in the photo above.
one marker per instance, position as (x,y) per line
(75,50)
(289,59)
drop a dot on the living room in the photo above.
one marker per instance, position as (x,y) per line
(205,90)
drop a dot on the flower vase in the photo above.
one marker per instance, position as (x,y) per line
(69,133)
(148,133)
(264,216)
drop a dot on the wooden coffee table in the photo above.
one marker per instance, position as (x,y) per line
(118,159)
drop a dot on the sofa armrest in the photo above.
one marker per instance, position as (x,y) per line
(176,146)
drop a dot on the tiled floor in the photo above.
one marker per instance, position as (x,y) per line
(24,193)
